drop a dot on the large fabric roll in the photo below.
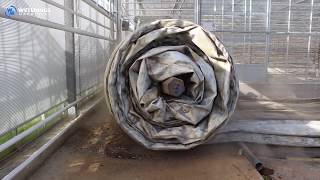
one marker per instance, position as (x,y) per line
(171,85)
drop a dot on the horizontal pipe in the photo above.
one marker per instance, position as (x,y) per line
(45,23)
(158,3)
(268,32)
(29,131)
(23,170)
(98,8)
(189,17)
(159,9)
(252,158)
(33,117)
(73,12)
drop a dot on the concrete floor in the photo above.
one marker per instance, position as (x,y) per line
(100,150)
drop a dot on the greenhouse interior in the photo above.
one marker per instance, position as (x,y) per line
(160,89)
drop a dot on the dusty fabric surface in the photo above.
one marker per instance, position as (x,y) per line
(151,55)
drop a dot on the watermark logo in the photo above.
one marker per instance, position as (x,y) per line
(33,11)
(11,11)
(28,11)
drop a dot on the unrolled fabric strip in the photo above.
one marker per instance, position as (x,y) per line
(171,85)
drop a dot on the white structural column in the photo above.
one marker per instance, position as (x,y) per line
(197,11)
(309,40)
(288,36)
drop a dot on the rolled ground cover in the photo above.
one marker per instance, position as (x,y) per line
(171,85)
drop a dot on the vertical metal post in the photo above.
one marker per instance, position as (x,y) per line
(309,39)
(197,11)
(222,17)
(97,42)
(250,29)
(214,13)
(268,34)
(110,6)
(111,20)
(288,37)
(78,25)
(232,27)
(118,19)
(70,53)
(222,14)
(318,58)
(250,14)
(245,27)
(76,9)
(135,14)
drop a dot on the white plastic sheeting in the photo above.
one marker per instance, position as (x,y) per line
(151,55)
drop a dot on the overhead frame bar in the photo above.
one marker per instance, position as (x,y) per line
(44,23)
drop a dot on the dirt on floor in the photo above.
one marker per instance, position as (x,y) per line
(100,150)
(295,168)
(289,163)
